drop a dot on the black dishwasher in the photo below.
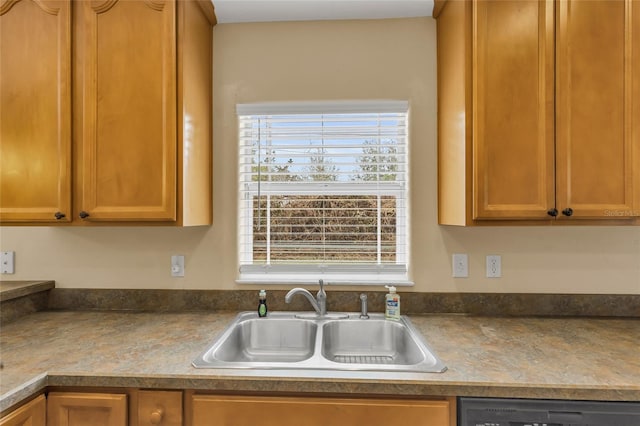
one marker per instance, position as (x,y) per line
(534,412)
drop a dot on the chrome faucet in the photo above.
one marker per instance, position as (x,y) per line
(320,305)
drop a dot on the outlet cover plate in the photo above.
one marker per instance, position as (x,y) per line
(494,266)
(7,259)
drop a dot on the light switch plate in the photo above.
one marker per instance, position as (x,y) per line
(177,266)
(7,259)
(460,265)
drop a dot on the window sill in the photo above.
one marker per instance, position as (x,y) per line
(270,280)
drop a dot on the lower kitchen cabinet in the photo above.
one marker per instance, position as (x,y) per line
(86,409)
(31,414)
(294,411)
(136,407)
(131,407)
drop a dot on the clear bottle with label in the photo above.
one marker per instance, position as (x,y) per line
(392,304)
(262,303)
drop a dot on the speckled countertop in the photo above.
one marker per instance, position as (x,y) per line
(569,358)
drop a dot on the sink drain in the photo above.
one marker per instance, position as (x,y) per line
(363,359)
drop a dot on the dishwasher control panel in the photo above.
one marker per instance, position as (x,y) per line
(535,412)
(517,424)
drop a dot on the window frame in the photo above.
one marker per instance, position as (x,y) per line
(347,274)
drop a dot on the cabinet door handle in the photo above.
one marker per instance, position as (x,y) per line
(59,215)
(568,211)
(83,215)
(552,212)
(156,416)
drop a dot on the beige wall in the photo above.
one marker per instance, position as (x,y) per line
(393,59)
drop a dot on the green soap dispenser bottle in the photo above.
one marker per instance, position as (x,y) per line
(262,303)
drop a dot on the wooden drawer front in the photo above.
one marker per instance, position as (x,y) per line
(282,411)
(159,408)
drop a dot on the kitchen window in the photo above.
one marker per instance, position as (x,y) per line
(323,192)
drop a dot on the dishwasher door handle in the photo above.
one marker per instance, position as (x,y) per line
(565,416)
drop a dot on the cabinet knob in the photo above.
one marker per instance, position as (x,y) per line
(59,215)
(156,416)
(552,212)
(83,215)
(568,211)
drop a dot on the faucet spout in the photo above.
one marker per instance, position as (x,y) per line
(306,294)
(320,305)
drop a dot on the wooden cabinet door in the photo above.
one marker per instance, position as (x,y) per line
(30,414)
(595,122)
(127,147)
(35,110)
(86,409)
(635,103)
(513,79)
(281,411)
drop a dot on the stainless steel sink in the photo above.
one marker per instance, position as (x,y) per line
(291,340)
(372,341)
(274,340)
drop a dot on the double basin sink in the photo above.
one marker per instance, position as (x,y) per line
(305,341)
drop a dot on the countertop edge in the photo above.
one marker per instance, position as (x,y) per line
(17,395)
(24,288)
(406,388)
(330,386)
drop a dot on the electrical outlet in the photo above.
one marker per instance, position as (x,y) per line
(494,266)
(7,262)
(460,265)
(177,266)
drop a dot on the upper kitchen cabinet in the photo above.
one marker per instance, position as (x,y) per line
(598,108)
(538,111)
(126,104)
(35,110)
(142,112)
(143,108)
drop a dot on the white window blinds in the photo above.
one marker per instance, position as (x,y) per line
(323,191)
